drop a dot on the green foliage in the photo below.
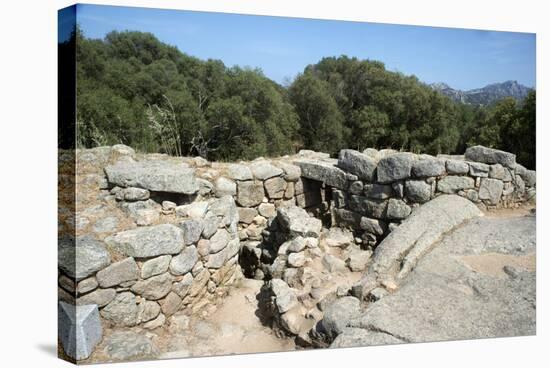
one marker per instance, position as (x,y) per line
(135,90)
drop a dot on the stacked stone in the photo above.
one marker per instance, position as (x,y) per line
(164,268)
(374,191)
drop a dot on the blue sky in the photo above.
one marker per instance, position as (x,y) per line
(282,47)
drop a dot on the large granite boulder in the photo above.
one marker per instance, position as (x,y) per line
(395,167)
(357,163)
(158,176)
(324,171)
(490,156)
(151,241)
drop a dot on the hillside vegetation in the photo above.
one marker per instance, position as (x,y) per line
(136,90)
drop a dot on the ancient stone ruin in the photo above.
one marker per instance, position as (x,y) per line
(150,236)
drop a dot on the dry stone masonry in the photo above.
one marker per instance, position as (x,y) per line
(152,235)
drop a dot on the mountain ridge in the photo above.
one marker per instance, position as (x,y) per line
(484,95)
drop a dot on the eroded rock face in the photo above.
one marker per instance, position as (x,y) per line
(357,163)
(324,171)
(394,167)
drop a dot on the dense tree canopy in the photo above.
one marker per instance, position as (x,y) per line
(136,90)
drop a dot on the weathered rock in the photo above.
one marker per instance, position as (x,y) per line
(219,241)
(264,170)
(357,163)
(373,226)
(324,171)
(101,297)
(210,225)
(129,345)
(490,156)
(79,329)
(285,297)
(375,208)
(297,222)
(155,266)
(148,242)
(292,172)
(338,237)
(497,171)
(192,230)
(397,209)
(148,311)
(184,262)
(157,176)
(491,190)
(333,264)
(338,315)
(195,210)
(418,191)
(155,323)
(81,257)
(182,287)
(144,213)
(355,337)
(479,170)
(239,172)
(106,225)
(456,167)
(246,215)
(135,194)
(452,184)
(171,304)
(117,273)
(354,188)
(250,193)
(267,210)
(378,191)
(427,167)
(122,311)
(296,259)
(395,167)
(275,187)
(528,176)
(225,187)
(87,285)
(205,187)
(155,287)
(401,249)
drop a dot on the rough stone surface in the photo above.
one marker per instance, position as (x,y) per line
(192,230)
(491,190)
(285,298)
(155,266)
(239,172)
(79,329)
(355,337)
(275,187)
(264,170)
(81,257)
(452,184)
(184,262)
(117,273)
(490,156)
(250,193)
(378,191)
(373,226)
(195,210)
(122,311)
(324,171)
(397,209)
(456,167)
(427,167)
(338,237)
(454,293)
(357,163)
(395,167)
(338,314)
(479,170)
(130,345)
(101,297)
(297,222)
(148,241)
(267,210)
(224,186)
(418,191)
(157,176)
(155,287)
(400,250)
(246,215)
(219,241)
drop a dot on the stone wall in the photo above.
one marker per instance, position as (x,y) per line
(145,236)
